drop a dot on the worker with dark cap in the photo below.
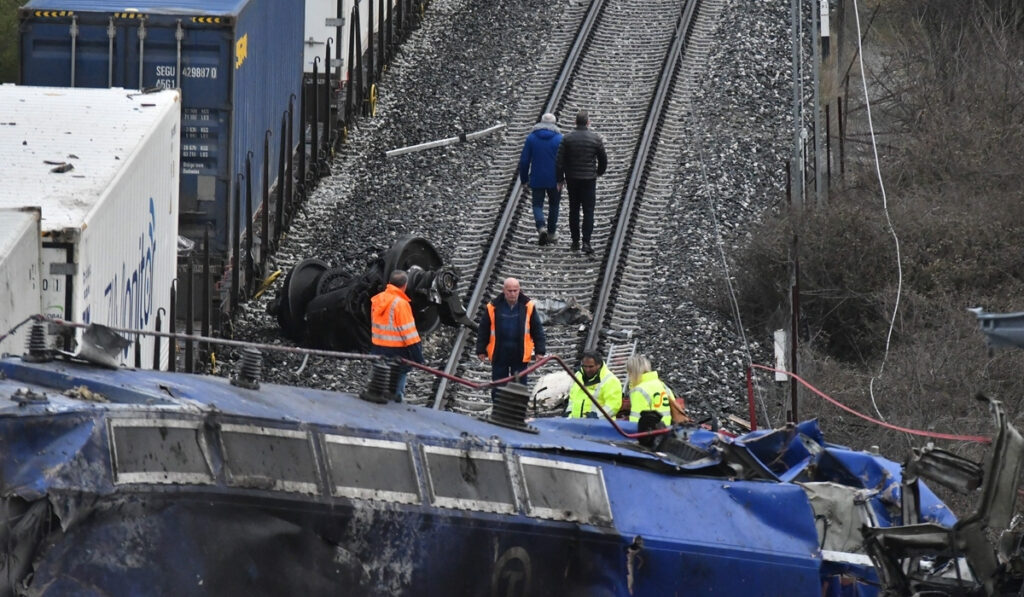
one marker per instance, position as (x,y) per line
(581,159)
(393,328)
(537,167)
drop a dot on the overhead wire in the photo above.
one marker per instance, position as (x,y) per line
(885,209)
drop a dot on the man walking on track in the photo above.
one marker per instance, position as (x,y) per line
(537,167)
(581,159)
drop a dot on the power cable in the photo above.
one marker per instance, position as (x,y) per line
(885,207)
(720,244)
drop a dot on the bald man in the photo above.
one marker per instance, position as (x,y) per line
(510,333)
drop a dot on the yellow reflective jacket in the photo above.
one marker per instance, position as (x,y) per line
(607,389)
(651,394)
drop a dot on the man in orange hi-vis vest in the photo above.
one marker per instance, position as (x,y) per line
(392,327)
(510,333)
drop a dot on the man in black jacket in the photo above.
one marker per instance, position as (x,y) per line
(581,159)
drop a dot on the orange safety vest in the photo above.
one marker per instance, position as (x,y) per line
(391,320)
(527,338)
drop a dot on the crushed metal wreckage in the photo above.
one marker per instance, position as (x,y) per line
(329,307)
(134,482)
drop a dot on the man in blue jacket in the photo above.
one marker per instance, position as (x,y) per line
(537,166)
(510,333)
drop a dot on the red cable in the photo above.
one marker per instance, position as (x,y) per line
(540,362)
(966,438)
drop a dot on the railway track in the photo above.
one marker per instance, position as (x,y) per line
(629,64)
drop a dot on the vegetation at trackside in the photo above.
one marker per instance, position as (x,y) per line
(948,101)
(9,40)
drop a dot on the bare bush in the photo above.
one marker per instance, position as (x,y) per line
(952,87)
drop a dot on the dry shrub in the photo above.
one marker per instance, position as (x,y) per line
(953,92)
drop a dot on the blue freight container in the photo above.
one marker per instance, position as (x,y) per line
(238,64)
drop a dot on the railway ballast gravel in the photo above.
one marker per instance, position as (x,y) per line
(465,69)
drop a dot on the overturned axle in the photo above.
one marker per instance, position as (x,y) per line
(329,307)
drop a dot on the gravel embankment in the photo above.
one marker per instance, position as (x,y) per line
(460,72)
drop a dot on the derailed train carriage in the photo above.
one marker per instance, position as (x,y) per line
(130,482)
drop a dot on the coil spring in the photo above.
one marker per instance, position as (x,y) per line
(249,370)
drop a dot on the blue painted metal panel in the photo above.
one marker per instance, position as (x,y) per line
(240,66)
(204,7)
(670,531)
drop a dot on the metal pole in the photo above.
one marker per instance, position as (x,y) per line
(190,315)
(828,145)
(207,288)
(156,339)
(842,139)
(391,36)
(314,117)
(142,49)
(371,71)
(236,244)
(279,202)
(111,32)
(358,28)
(822,190)
(327,102)
(249,266)
(73,31)
(265,204)
(172,344)
(794,386)
(351,63)
(339,23)
(289,164)
(381,42)
(301,178)
(798,174)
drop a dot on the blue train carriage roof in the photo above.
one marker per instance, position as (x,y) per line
(184,7)
(764,498)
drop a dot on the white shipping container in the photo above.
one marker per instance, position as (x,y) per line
(19,275)
(321,12)
(103,166)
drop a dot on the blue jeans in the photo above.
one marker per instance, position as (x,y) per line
(554,198)
(403,375)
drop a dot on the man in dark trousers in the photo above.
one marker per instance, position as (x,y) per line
(581,159)
(510,333)
(537,167)
(393,328)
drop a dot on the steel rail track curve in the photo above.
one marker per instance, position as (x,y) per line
(648,42)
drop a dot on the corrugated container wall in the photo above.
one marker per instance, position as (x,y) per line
(19,274)
(103,166)
(238,63)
